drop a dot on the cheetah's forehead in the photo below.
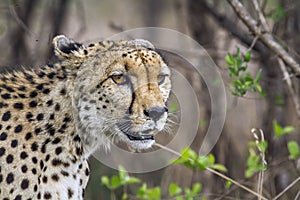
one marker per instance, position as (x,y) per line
(122,45)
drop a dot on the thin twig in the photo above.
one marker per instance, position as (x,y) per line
(215,172)
(266,37)
(287,188)
(261,17)
(254,131)
(287,79)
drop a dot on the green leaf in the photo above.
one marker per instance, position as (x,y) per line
(262,146)
(258,76)
(105,181)
(280,131)
(174,190)
(288,129)
(228,184)
(219,167)
(229,59)
(124,196)
(115,182)
(247,56)
(294,150)
(154,193)
(133,180)
(197,187)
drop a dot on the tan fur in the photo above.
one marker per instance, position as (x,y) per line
(54,118)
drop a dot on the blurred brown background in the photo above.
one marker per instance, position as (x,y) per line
(28,26)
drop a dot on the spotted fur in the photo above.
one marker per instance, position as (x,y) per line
(55,117)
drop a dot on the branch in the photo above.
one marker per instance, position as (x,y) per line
(266,37)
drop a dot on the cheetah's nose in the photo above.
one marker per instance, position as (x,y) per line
(155,112)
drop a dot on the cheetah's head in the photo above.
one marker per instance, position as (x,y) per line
(120,90)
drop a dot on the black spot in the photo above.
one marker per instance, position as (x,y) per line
(47,157)
(18,197)
(67,119)
(41,74)
(51,75)
(56,140)
(22,88)
(2,151)
(41,164)
(55,177)
(3,105)
(49,103)
(45,179)
(0,126)
(76,138)
(51,131)
(28,136)
(46,91)
(91,45)
(6,116)
(24,184)
(104,106)
(40,117)
(33,171)
(78,151)
(33,94)
(37,130)
(87,172)
(40,87)
(52,116)
(85,52)
(10,178)
(9,158)
(3,136)
(18,106)
(35,188)
(6,96)
(64,173)
(1,178)
(124,55)
(47,195)
(56,162)
(32,104)
(34,146)
(70,193)
(14,143)
(57,107)
(58,150)
(9,89)
(28,76)
(34,160)
(24,168)
(18,128)
(29,115)
(23,155)
(23,96)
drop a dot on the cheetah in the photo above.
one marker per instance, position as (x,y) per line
(54,117)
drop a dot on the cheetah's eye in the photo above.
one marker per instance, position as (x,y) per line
(161,78)
(119,79)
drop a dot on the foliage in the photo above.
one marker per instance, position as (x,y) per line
(294,150)
(280,131)
(190,159)
(242,81)
(117,181)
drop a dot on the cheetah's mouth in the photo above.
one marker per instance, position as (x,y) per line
(140,136)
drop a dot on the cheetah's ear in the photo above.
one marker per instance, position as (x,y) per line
(66,48)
